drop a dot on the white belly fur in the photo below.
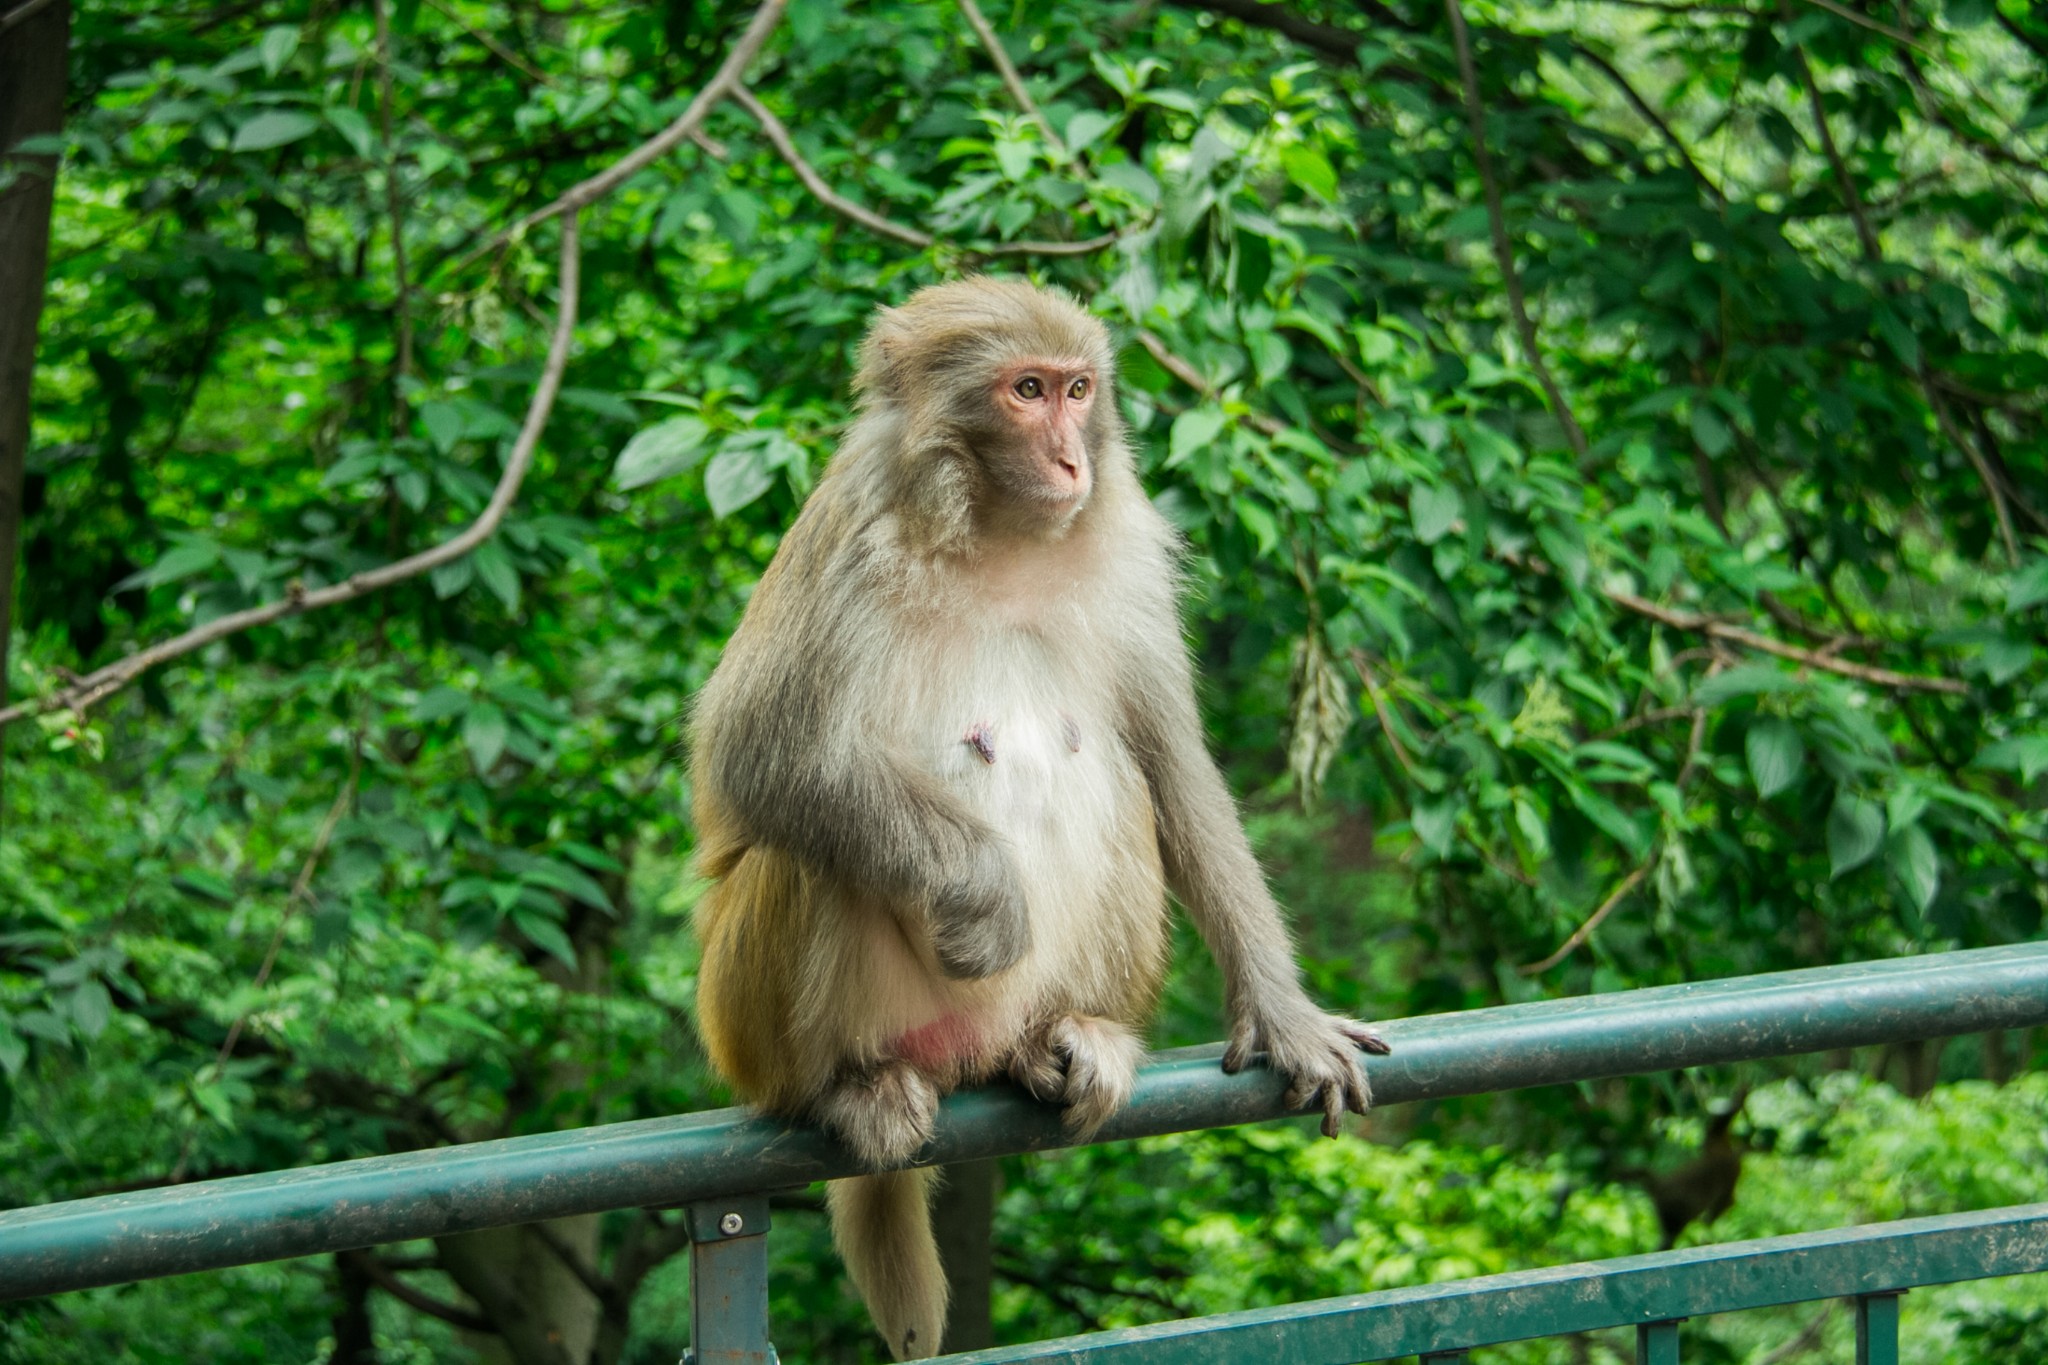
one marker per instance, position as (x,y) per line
(1091,879)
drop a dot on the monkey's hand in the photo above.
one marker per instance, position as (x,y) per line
(1316,1052)
(980,925)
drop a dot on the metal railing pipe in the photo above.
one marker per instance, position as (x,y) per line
(654,1162)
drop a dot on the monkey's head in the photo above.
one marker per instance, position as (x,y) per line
(1013,382)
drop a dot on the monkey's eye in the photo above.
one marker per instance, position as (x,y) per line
(1079,390)
(1029,387)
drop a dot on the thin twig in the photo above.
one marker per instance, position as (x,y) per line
(1803,1342)
(1865,21)
(1873,253)
(1585,931)
(394,204)
(1503,249)
(23,13)
(1192,377)
(1379,708)
(385,1279)
(1749,639)
(1011,78)
(785,147)
(103,682)
(1650,116)
(596,187)
(301,890)
(498,49)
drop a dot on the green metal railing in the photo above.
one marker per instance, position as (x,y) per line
(721,1165)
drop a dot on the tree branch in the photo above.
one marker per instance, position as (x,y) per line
(1503,249)
(1192,377)
(22,13)
(104,682)
(1722,630)
(1585,931)
(1011,78)
(382,1276)
(394,206)
(596,187)
(1650,116)
(785,147)
(1873,253)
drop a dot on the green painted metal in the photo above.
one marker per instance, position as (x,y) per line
(1657,1343)
(1877,1329)
(1876,1260)
(715,1155)
(729,1282)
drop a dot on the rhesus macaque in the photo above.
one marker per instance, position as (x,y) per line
(948,770)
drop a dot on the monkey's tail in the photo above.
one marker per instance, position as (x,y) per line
(882,1225)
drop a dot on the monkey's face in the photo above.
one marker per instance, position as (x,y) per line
(1043,411)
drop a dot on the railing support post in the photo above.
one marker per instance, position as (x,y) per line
(1657,1342)
(729,1282)
(1877,1329)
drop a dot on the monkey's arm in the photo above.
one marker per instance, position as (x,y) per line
(1209,866)
(775,759)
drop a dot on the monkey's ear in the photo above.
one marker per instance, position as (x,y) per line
(879,371)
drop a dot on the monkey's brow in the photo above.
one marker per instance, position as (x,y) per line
(1071,365)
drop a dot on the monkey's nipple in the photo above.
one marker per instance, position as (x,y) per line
(982,736)
(1070,730)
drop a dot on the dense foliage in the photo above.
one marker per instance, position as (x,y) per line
(1632,541)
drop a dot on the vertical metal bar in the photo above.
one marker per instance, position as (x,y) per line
(729,1282)
(1657,1342)
(1877,1329)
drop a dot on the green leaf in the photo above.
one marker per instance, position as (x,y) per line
(354,129)
(1855,832)
(1192,431)
(2026,755)
(495,570)
(1435,823)
(91,1008)
(273,128)
(1259,521)
(445,424)
(1910,855)
(1433,507)
(2029,585)
(1311,170)
(662,451)
(190,556)
(1776,754)
(483,732)
(1744,680)
(546,935)
(560,876)
(1085,127)
(452,578)
(278,45)
(1711,430)
(737,476)
(439,704)
(13,1050)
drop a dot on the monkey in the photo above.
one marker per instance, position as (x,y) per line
(948,769)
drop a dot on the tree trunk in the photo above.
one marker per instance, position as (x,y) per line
(354,1343)
(33,57)
(963,1216)
(539,1308)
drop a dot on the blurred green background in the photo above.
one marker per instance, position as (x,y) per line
(1703,590)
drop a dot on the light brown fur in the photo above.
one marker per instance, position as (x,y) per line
(950,765)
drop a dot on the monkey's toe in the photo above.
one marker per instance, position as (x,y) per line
(1087,1064)
(884,1115)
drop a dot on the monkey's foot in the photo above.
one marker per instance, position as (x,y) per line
(1316,1052)
(884,1114)
(1086,1063)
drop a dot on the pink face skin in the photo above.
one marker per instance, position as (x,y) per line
(1049,402)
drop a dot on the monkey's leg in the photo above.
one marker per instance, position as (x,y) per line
(1082,1061)
(884,1113)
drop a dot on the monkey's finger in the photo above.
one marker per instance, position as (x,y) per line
(1356,1093)
(1243,1040)
(1333,1109)
(1366,1039)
